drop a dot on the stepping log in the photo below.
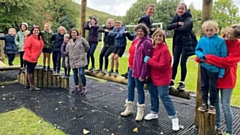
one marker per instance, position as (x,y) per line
(206,124)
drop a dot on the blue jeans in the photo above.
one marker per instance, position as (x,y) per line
(81,74)
(140,90)
(225,100)
(131,86)
(90,53)
(163,93)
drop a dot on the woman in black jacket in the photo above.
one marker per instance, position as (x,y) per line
(108,45)
(184,42)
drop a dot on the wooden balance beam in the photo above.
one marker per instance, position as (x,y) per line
(44,78)
(119,79)
(4,67)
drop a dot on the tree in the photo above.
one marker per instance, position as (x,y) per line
(136,11)
(165,11)
(225,13)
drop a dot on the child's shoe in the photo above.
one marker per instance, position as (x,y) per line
(218,131)
(203,108)
(171,85)
(211,110)
(181,86)
(48,68)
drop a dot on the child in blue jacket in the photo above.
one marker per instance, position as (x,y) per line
(211,43)
(10,48)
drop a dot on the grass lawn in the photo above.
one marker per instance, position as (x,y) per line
(24,122)
(191,79)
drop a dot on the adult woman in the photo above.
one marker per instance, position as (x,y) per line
(138,70)
(32,50)
(76,48)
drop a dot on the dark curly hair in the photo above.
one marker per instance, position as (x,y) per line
(143,27)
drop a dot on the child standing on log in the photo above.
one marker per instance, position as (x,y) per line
(76,50)
(10,48)
(65,57)
(211,43)
(47,49)
(160,77)
(92,26)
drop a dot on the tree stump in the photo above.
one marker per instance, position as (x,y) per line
(206,123)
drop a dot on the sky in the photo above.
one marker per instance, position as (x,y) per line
(120,7)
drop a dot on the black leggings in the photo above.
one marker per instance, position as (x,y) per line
(56,58)
(22,63)
(106,51)
(179,52)
(11,57)
(30,67)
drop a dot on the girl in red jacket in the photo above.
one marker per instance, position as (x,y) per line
(160,78)
(227,83)
(33,46)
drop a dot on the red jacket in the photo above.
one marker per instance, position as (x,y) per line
(32,48)
(160,65)
(131,52)
(230,63)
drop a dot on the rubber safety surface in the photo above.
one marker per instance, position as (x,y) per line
(98,111)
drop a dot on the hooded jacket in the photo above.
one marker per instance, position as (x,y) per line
(10,46)
(93,33)
(119,36)
(20,37)
(57,39)
(144,48)
(47,39)
(183,35)
(108,40)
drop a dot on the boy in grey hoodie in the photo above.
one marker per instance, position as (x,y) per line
(19,41)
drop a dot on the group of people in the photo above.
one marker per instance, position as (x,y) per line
(149,59)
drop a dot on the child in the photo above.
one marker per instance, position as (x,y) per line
(211,43)
(183,42)
(10,48)
(56,48)
(119,34)
(19,41)
(67,69)
(76,49)
(47,38)
(92,26)
(160,74)
(108,45)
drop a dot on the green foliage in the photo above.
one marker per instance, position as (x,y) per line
(195,15)
(137,11)
(165,10)
(225,13)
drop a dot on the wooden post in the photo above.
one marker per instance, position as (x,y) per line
(204,121)
(40,77)
(2,55)
(83,16)
(59,81)
(50,78)
(45,78)
(54,81)
(35,75)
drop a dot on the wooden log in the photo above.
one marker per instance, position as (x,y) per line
(119,79)
(40,77)
(206,123)
(35,75)
(65,83)
(59,78)
(83,16)
(50,78)
(54,81)
(2,55)
(45,79)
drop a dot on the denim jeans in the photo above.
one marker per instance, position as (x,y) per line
(81,74)
(163,93)
(140,90)
(225,100)
(131,86)
(90,53)
(208,85)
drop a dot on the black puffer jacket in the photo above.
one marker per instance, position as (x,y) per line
(108,40)
(183,35)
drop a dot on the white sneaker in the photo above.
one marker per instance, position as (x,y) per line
(175,124)
(151,116)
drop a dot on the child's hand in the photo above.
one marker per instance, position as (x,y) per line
(181,23)
(106,30)
(140,79)
(125,32)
